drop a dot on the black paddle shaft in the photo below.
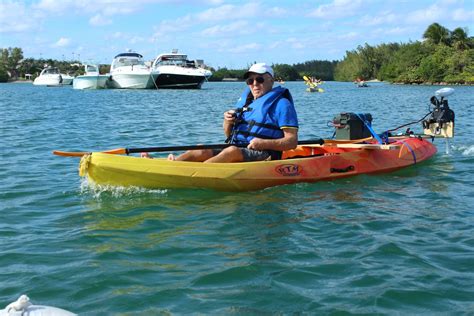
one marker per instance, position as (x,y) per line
(212,146)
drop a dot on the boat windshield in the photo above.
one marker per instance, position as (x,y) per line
(121,62)
(175,60)
(51,71)
(91,68)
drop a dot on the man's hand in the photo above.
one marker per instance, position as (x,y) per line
(229,117)
(257,144)
(229,121)
(289,141)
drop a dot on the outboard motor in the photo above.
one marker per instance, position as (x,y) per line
(441,122)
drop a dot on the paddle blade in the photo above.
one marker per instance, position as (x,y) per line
(117,151)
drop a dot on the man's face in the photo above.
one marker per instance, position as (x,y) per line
(257,87)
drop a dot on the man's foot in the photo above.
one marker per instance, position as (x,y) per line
(145,155)
(171,157)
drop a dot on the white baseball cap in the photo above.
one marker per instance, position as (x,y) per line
(259,68)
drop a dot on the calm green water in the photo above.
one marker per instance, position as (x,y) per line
(399,243)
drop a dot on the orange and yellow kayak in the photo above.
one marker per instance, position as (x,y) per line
(308,163)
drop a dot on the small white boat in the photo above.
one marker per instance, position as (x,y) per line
(67,79)
(128,71)
(49,77)
(92,79)
(175,71)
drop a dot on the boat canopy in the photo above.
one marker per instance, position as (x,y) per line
(127,59)
(91,69)
(50,71)
(129,55)
(173,60)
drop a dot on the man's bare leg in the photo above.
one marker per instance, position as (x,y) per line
(229,154)
(193,155)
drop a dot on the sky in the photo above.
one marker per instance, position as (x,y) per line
(232,34)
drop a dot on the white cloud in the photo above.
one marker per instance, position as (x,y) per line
(238,27)
(126,37)
(53,6)
(204,23)
(462,15)
(15,18)
(99,20)
(62,42)
(380,18)
(336,9)
(214,2)
(117,35)
(229,12)
(244,48)
(245,11)
(398,30)
(425,16)
(349,36)
(277,11)
(171,27)
(293,42)
(136,39)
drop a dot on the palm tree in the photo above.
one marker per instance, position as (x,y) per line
(460,38)
(437,34)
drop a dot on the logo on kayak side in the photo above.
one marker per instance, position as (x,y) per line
(289,170)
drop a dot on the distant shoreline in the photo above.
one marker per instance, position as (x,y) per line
(20,81)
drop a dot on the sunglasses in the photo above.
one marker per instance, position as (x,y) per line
(250,81)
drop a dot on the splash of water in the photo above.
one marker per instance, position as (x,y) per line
(88,187)
(465,150)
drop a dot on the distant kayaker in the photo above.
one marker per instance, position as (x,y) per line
(265,119)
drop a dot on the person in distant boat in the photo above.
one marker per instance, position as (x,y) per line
(265,123)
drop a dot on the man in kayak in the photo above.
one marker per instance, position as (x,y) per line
(263,125)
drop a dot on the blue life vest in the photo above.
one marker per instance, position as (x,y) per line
(256,119)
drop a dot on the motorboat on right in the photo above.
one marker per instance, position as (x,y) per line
(175,71)
(92,79)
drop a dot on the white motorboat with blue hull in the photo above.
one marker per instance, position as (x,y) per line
(128,71)
(92,79)
(174,71)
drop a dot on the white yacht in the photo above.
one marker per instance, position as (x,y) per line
(92,79)
(128,71)
(49,76)
(174,70)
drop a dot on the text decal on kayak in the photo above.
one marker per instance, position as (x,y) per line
(289,170)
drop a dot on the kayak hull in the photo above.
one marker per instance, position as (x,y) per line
(305,164)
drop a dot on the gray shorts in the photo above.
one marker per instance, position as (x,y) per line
(249,154)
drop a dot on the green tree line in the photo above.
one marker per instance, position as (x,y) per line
(321,69)
(443,56)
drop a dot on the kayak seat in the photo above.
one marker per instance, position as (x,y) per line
(299,151)
(309,156)
(305,151)
(310,151)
